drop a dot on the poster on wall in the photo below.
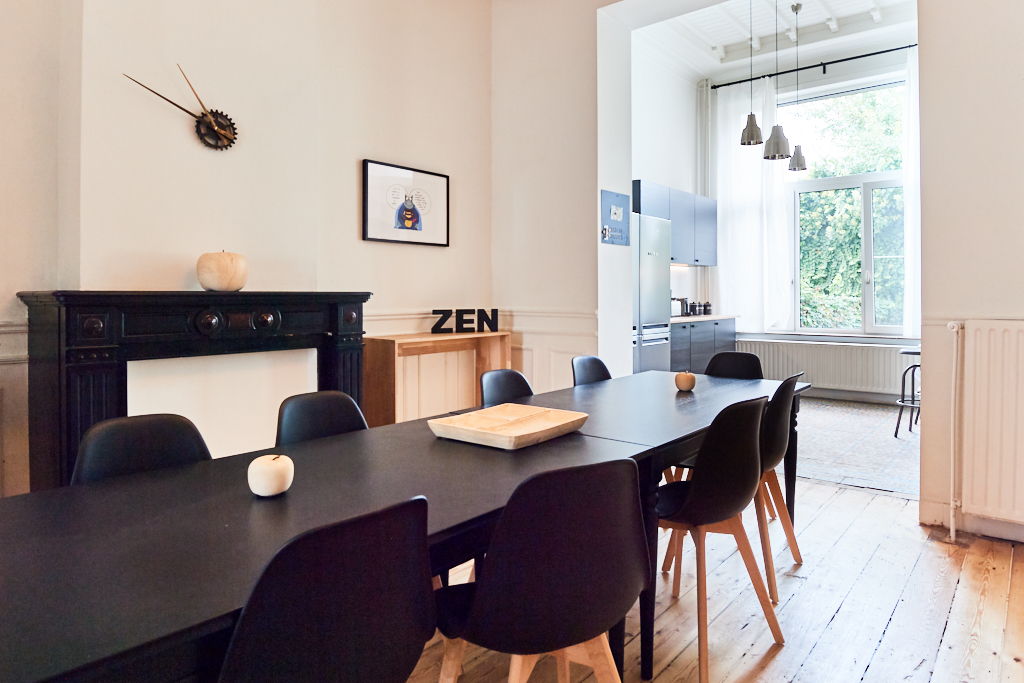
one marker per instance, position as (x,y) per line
(614,218)
(403,204)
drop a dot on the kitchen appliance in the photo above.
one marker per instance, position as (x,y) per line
(652,292)
(677,308)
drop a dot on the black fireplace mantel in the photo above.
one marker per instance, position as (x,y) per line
(80,342)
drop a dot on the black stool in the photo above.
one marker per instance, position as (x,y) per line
(910,400)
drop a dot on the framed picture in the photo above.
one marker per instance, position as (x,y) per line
(404,204)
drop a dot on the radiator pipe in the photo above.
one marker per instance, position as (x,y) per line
(956,327)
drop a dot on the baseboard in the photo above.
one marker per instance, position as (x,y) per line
(937,514)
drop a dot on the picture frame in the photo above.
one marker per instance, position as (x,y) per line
(404,205)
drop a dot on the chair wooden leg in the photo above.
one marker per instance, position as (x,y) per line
(787,523)
(768,501)
(689,474)
(436,583)
(678,560)
(451,665)
(702,604)
(521,668)
(755,577)
(601,661)
(670,552)
(562,664)
(766,544)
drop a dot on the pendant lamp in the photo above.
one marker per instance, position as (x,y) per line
(777,146)
(751,134)
(797,162)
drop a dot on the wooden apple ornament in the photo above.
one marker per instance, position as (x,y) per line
(685,381)
(270,475)
(222,271)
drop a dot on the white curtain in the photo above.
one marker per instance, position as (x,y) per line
(756,248)
(912,203)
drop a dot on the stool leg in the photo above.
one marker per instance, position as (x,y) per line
(913,395)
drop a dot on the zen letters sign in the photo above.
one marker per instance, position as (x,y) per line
(462,320)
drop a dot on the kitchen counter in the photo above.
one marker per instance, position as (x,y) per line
(700,318)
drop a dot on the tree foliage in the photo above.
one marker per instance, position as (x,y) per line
(849,135)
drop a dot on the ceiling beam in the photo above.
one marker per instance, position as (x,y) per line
(783,16)
(745,30)
(831,20)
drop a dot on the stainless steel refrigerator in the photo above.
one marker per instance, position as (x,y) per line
(651,242)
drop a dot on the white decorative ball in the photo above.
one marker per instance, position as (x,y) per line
(270,475)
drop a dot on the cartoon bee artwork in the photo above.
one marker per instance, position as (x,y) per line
(407,217)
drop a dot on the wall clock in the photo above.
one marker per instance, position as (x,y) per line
(214,128)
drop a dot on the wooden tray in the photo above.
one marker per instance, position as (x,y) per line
(509,425)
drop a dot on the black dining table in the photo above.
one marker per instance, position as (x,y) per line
(141,577)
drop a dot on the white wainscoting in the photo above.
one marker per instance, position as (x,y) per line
(13,408)
(544,342)
(862,368)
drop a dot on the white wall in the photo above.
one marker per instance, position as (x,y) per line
(972,217)
(314,86)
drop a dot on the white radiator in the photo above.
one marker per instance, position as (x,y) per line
(993,420)
(867,368)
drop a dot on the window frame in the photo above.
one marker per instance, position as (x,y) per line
(865,182)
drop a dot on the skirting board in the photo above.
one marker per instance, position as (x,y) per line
(937,514)
(859,396)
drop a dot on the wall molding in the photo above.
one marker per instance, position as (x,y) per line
(13,342)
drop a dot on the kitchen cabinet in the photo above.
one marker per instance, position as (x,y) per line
(680,338)
(694,229)
(693,344)
(725,335)
(705,231)
(682,227)
(651,199)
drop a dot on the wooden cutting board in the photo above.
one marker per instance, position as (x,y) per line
(509,425)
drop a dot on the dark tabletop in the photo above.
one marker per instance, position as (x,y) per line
(647,409)
(91,571)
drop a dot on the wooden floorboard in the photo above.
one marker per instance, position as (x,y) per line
(878,598)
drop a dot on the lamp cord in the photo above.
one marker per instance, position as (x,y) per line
(750,19)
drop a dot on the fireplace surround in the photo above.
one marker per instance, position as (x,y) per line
(79,344)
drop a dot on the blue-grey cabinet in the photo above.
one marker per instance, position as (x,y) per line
(682,226)
(651,199)
(705,231)
(693,344)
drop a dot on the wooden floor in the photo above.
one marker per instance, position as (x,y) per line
(878,598)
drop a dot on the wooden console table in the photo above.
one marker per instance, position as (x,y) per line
(80,342)
(383,358)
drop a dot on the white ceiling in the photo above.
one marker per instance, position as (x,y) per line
(714,42)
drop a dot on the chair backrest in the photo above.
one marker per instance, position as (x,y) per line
(502,386)
(587,369)
(316,415)
(736,365)
(350,601)
(777,418)
(728,467)
(126,445)
(567,560)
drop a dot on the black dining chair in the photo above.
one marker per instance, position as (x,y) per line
(336,604)
(587,369)
(724,482)
(502,386)
(559,573)
(735,364)
(126,445)
(316,415)
(774,442)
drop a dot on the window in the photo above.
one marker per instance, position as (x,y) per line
(848,211)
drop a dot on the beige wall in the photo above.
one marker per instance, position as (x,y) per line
(972,216)
(315,86)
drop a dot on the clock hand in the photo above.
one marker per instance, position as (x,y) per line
(206,111)
(195,116)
